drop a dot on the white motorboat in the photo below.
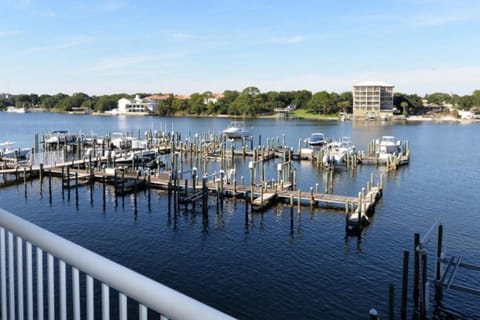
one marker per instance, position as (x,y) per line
(317,139)
(140,156)
(119,140)
(236,130)
(7,151)
(387,146)
(336,152)
(59,137)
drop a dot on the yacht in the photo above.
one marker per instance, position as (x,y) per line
(317,139)
(336,152)
(59,137)
(387,146)
(7,151)
(236,130)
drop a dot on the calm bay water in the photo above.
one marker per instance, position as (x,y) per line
(275,266)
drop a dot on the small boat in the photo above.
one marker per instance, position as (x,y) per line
(142,157)
(59,137)
(16,110)
(317,139)
(15,153)
(336,152)
(387,146)
(236,130)
(119,140)
(370,116)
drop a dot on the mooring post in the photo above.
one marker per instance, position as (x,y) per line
(438,269)
(424,298)
(391,302)
(299,199)
(204,195)
(416,270)
(439,252)
(25,180)
(404,302)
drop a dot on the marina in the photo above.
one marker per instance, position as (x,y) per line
(259,237)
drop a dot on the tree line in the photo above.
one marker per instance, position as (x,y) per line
(248,102)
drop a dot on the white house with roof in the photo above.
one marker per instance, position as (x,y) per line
(136,106)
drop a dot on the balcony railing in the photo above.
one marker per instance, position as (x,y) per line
(30,292)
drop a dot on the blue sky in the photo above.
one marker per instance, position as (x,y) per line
(115,46)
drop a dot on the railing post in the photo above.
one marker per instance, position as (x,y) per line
(76,293)
(11,277)
(29,264)
(3,275)
(89,297)
(40,311)
(105,302)
(51,287)
(20,278)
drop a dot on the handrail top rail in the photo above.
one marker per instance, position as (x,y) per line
(146,291)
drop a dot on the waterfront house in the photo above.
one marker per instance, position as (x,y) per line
(136,106)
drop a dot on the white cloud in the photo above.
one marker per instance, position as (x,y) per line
(182,36)
(62,43)
(8,33)
(20,4)
(288,40)
(433,20)
(122,62)
(110,5)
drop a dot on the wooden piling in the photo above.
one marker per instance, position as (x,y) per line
(416,270)
(391,302)
(404,301)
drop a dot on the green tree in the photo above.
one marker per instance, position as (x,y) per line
(196,104)
(247,103)
(322,102)
(301,98)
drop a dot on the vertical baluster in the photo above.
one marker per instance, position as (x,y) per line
(3,273)
(29,264)
(63,289)
(76,293)
(142,312)
(20,296)
(40,312)
(122,306)
(11,277)
(105,302)
(89,297)
(51,288)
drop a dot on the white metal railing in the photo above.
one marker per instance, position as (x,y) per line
(21,271)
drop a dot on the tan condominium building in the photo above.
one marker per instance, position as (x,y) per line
(372,100)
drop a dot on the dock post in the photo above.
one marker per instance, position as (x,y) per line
(391,302)
(331,180)
(25,180)
(299,199)
(311,197)
(169,193)
(294,179)
(416,269)
(41,172)
(76,189)
(424,297)
(68,178)
(204,195)
(326,183)
(438,271)
(404,302)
